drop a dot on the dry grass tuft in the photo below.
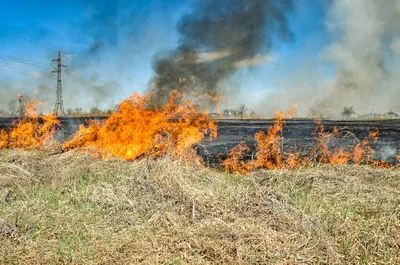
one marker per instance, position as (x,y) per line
(71,208)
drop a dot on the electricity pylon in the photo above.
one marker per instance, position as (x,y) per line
(59,107)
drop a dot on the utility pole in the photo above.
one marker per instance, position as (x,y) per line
(58,107)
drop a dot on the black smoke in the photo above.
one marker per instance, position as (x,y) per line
(233,30)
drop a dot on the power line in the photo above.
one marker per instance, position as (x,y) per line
(33,42)
(77,78)
(85,83)
(22,73)
(30,61)
(22,61)
(38,44)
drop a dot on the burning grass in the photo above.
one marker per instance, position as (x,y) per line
(134,131)
(30,132)
(329,148)
(128,199)
(72,208)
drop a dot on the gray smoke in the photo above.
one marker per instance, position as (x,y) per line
(217,37)
(366,54)
(28,87)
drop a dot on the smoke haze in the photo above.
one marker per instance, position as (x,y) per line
(365,52)
(119,47)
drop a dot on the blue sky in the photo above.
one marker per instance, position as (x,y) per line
(134,34)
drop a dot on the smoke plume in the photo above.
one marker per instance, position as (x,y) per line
(365,54)
(216,38)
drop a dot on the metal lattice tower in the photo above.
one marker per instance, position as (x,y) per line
(20,111)
(58,107)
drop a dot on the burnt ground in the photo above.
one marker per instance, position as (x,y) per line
(298,134)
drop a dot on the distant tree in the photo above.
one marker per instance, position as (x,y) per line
(241,110)
(69,111)
(95,110)
(395,108)
(348,111)
(253,114)
(78,111)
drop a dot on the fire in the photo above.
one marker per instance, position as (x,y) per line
(134,131)
(269,154)
(363,152)
(327,150)
(291,113)
(381,164)
(321,152)
(235,163)
(31,131)
(360,153)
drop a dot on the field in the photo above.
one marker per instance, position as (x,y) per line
(68,208)
(297,135)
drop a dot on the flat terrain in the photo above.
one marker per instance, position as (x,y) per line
(68,208)
(297,134)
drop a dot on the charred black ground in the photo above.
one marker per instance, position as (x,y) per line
(298,134)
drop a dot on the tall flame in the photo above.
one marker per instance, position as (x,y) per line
(235,163)
(363,151)
(32,131)
(269,154)
(135,131)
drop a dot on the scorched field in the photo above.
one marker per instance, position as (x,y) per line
(172,186)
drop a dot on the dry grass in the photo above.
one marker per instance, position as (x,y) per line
(69,208)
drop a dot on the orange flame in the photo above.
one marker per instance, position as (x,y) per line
(322,152)
(360,153)
(135,131)
(31,131)
(234,162)
(340,157)
(363,152)
(381,164)
(268,146)
(291,113)
(269,154)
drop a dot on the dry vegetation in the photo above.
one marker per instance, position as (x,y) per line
(68,208)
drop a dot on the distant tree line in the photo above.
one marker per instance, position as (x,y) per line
(95,111)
